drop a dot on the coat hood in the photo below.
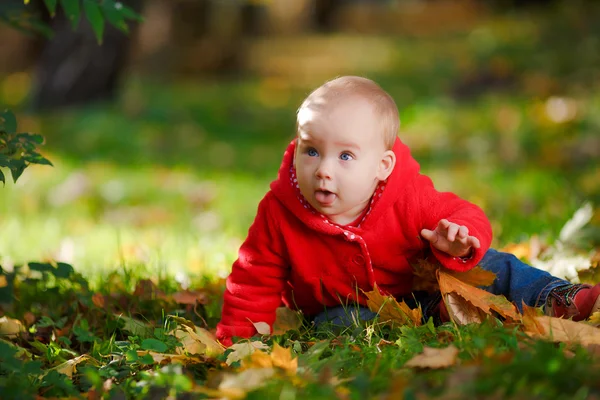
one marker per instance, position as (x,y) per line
(287,192)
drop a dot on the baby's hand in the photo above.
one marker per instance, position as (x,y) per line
(451,238)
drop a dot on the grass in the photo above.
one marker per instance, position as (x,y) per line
(164,183)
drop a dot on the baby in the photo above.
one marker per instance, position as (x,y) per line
(350,209)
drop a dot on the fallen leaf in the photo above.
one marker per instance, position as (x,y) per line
(389,309)
(190,297)
(198,341)
(478,297)
(146,289)
(243,350)
(434,358)
(530,323)
(69,367)
(425,276)
(235,386)
(564,330)
(98,300)
(462,311)
(170,358)
(262,328)
(134,326)
(594,319)
(29,318)
(286,320)
(283,358)
(475,277)
(3,281)
(10,327)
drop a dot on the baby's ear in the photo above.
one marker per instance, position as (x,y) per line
(386,165)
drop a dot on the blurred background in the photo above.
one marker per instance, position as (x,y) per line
(165,139)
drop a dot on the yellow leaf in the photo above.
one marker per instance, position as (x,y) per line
(283,358)
(389,309)
(594,319)
(478,297)
(197,341)
(3,281)
(190,344)
(235,386)
(286,320)
(564,330)
(10,327)
(243,350)
(262,328)
(434,358)
(68,368)
(170,358)
(258,359)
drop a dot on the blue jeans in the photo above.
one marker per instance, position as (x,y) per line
(517,281)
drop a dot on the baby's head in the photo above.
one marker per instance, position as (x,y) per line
(346,131)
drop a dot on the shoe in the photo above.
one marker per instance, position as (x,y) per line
(574,301)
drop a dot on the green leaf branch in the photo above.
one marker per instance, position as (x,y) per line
(17,150)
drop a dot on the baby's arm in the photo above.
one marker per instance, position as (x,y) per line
(459,232)
(254,287)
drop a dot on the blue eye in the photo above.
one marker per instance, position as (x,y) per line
(312,152)
(346,156)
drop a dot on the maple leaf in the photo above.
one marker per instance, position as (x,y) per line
(286,320)
(563,330)
(434,358)
(283,358)
(195,340)
(425,276)
(243,350)
(485,301)
(389,309)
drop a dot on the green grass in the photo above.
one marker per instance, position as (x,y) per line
(164,184)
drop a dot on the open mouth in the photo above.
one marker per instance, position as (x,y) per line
(324,197)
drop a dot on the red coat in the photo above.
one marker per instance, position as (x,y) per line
(294,254)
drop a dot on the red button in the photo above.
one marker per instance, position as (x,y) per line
(358,259)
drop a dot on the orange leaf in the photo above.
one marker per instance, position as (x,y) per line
(286,320)
(434,358)
(530,323)
(389,309)
(564,330)
(98,300)
(462,311)
(476,276)
(425,276)
(189,297)
(478,297)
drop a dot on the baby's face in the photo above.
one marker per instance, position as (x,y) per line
(339,158)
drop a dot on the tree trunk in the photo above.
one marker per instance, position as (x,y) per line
(73,69)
